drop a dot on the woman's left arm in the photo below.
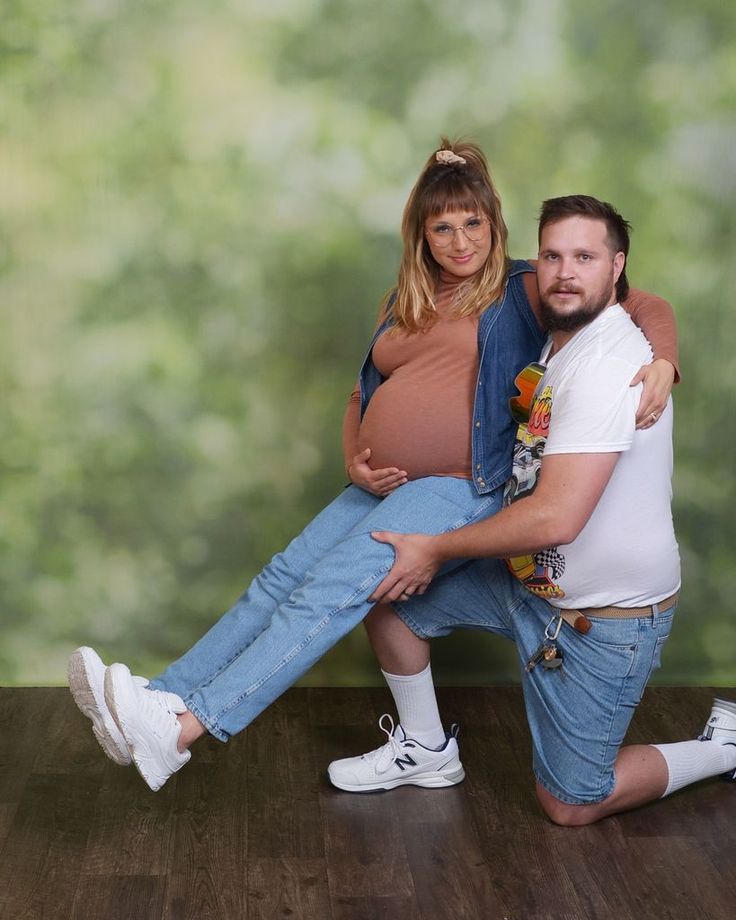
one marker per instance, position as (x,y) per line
(656,319)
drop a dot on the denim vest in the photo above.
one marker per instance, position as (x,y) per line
(509,338)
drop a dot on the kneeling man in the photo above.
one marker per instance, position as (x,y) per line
(580,569)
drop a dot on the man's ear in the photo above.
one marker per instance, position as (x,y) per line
(619,263)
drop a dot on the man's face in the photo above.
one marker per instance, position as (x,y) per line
(577,272)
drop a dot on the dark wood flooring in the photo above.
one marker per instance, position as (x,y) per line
(253,829)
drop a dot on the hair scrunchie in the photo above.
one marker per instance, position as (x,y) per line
(448,158)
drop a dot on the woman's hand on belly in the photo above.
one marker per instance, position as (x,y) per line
(377,482)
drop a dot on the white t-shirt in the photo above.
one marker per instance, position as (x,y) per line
(626,555)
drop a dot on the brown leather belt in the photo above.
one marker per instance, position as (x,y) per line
(578,619)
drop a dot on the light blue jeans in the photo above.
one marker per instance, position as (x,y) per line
(308,597)
(578,715)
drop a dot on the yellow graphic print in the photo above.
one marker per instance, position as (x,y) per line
(539,572)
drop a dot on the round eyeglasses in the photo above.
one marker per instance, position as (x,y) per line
(443,234)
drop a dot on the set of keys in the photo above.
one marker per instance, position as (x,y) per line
(548,655)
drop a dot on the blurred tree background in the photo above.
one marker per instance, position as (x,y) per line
(200,204)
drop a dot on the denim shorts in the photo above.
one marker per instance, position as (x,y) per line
(578,714)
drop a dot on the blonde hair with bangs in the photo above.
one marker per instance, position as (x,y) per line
(441,187)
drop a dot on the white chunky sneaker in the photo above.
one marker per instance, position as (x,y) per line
(147,721)
(400,762)
(721,726)
(86,671)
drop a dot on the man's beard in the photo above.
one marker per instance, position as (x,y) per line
(571,322)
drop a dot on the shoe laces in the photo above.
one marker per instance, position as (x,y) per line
(156,704)
(385,755)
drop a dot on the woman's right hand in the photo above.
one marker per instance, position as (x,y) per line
(377,482)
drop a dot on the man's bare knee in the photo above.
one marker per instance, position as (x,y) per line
(397,648)
(379,616)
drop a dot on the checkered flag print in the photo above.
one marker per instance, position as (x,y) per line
(553,560)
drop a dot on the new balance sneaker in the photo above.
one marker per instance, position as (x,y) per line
(86,672)
(400,762)
(148,722)
(721,726)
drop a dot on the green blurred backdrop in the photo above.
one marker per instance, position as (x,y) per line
(200,204)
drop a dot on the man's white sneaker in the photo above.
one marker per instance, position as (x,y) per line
(399,762)
(721,726)
(86,672)
(147,721)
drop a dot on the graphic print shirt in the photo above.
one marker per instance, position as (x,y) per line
(626,555)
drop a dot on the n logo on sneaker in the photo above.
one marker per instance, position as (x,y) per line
(403,762)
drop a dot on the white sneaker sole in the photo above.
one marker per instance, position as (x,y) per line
(432,779)
(93,708)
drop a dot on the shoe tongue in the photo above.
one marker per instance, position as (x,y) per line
(176,703)
(400,734)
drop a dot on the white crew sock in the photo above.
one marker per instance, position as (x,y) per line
(416,705)
(689,761)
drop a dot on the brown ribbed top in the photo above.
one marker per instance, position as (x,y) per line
(420,418)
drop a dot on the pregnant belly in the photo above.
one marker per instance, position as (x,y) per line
(418,434)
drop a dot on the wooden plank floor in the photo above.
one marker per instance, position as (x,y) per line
(254,830)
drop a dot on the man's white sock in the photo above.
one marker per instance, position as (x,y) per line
(689,761)
(416,705)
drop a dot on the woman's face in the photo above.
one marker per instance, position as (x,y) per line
(460,241)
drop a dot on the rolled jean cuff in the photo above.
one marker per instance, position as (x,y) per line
(210,726)
(575,800)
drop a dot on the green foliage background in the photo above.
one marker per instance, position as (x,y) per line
(200,205)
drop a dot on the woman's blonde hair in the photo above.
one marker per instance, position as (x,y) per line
(445,183)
